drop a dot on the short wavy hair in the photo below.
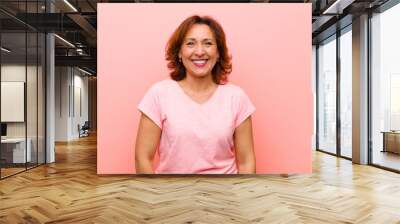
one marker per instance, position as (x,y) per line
(221,69)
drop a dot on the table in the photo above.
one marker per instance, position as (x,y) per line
(13,150)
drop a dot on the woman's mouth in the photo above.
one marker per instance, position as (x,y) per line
(200,62)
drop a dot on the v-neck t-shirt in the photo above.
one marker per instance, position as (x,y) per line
(196,138)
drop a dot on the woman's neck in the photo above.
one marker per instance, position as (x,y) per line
(198,84)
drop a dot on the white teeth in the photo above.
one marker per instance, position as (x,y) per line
(199,62)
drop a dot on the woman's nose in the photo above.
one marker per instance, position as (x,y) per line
(199,51)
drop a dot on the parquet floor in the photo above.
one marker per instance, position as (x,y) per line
(69,191)
(388,159)
(9,171)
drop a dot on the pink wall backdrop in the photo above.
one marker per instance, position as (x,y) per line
(271,49)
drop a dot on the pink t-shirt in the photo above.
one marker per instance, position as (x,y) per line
(196,138)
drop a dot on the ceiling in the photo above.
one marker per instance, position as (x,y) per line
(76,22)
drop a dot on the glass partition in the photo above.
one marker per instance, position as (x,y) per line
(385,89)
(13,95)
(22,88)
(41,85)
(346,93)
(32,95)
(327,95)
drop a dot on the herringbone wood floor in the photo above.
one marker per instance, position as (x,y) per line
(69,191)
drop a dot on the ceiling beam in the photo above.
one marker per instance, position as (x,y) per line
(337,6)
(85,61)
(86,26)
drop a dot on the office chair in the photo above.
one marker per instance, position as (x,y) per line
(84,130)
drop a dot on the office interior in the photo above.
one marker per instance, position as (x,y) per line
(49,72)
(356,62)
(48,77)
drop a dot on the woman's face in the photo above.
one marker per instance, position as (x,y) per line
(199,51)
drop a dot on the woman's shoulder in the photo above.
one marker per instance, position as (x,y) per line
(232,88)
(162,85)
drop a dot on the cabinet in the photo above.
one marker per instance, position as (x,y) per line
(391,142)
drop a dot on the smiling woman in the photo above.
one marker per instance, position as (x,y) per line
(199,38)
(199,122)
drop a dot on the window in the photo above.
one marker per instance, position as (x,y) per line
(327,95)
(346,92)
(385,88)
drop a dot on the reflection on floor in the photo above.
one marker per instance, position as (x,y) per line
(346,152)
(13,169)
(10,171)
(386,159)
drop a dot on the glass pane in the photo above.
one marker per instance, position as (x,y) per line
(13,86)
(31,83)
(327,96)
(314,66)
(386,89)
(22,87)
(346,93)
(31,100)
(41,98)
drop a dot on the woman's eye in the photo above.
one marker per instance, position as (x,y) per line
(190,43)
(209,43)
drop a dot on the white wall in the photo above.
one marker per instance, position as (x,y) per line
(71,93)
(12,73)
(62,81)
(80,84)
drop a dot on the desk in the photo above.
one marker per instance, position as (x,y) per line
(15,148)
(391,141)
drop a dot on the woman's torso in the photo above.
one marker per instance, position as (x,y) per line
(197,137)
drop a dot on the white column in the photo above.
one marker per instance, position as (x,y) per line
(50,100)
(50,92)
(360,90)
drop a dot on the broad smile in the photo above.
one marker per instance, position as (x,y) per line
(199,62)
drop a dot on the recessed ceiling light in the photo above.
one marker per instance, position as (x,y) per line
(64,40)
(84,71)
(70,5)
(337,7)
(5,50)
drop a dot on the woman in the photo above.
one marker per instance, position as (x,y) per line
(199,122)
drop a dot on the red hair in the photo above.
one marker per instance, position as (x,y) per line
(221,69)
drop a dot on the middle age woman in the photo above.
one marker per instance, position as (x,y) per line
(200,123)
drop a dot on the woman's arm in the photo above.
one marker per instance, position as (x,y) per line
(147,140)
(243,139)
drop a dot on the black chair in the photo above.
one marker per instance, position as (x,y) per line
(84,130)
